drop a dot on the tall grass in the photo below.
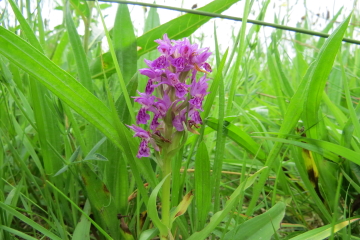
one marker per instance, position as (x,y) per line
(278,156)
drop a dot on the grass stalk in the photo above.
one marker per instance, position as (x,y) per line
(215,15)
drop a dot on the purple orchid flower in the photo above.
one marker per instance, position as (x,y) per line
(142,116)
(144,150)
(179,95)
(165,46)
(149,89)
(139,132)
(145,99)
(179,63)
(163,104)
(160,63)
(198,91)
(178,121)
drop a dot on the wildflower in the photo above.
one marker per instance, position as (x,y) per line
(198,91)
(179,95)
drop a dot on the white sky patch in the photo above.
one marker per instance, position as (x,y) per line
(289,11)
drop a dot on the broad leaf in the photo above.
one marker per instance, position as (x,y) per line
(325,231)
(259,227)
(182,26)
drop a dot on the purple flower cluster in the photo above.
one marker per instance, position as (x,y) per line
(179,95)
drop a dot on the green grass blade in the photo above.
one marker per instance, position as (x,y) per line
(275,77)
(242,44)
(43,111)
(125,42)
(122,111)
(259,227)
(149,234)
(17,233)
(253,29)
(294,110)
(82,65)
(61,84)
(202,186)
(102,202)
(71,92)
(152,209)
(312,114)
(315,147)
(214,87)
(285,83)
(182,26)
(60,49)
(328,28)
(219,216)
(81,8)
(353,120)
(117,67)
(320,146)
(152,21)
(28,146)
(47,128)
(238,136)
(84,214)
(220,147)
(325,231)
(25,27)
(318,78)
(40,25)
(82,229)
(29,222)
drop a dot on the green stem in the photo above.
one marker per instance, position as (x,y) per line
(87,22)
(165,200)
(166,169)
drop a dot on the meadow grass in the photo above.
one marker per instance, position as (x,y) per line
(277,157)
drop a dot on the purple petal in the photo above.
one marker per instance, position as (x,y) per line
(185,49)
(178,120)
(163,104)
(197,102)
(148,62)
(139,132)
(172,78)
(180,90)
(164,49)
(195,117)
(160,63)
(200,58)
(179,63)
(148,72)
(193,75)
(149,89)
(142,116)
(154,123)
(177,123)
(207,67)
(144,150)
(165,46)
(145,99)
(198,89)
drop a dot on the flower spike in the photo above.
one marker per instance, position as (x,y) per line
(179,95)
